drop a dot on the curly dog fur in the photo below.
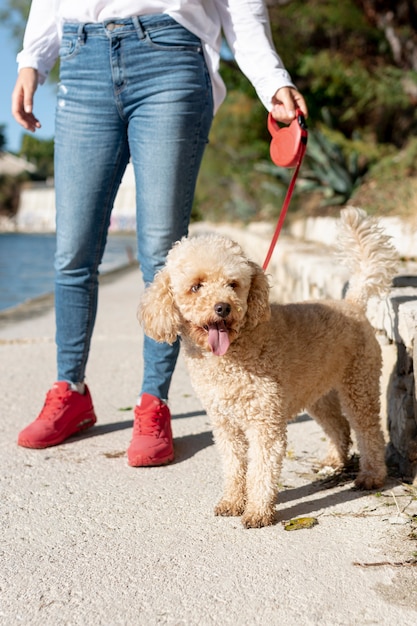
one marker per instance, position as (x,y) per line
(255,366)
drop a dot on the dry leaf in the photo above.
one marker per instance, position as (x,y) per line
(300,522)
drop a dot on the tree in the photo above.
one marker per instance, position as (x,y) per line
(40,153)
(397,19)
(15,15)
(2,137)
(344,64)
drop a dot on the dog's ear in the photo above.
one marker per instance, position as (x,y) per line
(157,311)
(258,298)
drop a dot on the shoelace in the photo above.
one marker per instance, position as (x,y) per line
(53,402)
(149,424)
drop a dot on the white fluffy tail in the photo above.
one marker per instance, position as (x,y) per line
(368,253)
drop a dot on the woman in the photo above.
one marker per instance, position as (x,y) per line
(139,80)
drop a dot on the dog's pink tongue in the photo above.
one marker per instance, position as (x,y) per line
(218,338)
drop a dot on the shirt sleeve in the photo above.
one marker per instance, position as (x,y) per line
(41,41)
(246,26)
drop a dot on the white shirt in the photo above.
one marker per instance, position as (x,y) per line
(245,24)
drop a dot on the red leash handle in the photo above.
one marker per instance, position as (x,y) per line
(288,147)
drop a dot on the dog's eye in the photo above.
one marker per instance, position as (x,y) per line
(234,284)
(196,287)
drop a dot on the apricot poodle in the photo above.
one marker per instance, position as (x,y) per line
(256,365)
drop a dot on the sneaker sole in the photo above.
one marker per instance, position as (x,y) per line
(83,425)
(148,462)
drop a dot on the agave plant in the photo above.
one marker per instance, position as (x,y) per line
(326,169)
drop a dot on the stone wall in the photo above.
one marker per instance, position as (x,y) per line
(37,208)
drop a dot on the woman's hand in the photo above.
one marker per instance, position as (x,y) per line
(284,104)
(22,99)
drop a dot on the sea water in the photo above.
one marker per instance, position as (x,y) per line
(26,264)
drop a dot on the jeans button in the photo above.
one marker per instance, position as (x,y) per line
(111,26)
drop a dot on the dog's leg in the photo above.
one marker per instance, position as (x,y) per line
(328,413)
(360,400)
(265,455)
(233,446)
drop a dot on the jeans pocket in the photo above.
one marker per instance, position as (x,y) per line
(70,46)
(173,38)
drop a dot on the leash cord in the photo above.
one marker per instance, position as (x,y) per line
(284,207)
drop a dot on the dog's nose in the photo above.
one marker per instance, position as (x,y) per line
(222,309)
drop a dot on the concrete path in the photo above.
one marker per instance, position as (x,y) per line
(86,540)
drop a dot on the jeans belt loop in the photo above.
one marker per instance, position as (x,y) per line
(138,26)
(82,35)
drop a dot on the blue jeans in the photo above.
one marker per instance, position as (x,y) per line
(135,88)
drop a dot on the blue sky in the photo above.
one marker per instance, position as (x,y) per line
(44,98)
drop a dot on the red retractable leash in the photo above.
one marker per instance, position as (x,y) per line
(287,149)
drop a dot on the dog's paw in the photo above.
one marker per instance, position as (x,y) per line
(368,480)
(258,520)
(331,463)
(226,508)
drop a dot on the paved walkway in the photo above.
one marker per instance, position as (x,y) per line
(86,540)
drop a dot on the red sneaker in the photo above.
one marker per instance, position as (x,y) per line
(64,413)
(152,436)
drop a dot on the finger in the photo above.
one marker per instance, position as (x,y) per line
(288,103)
(280,113)
(23,97)
(32,122)
(283,106)
(22,105)
(285,103)
(27,120)
(300,103)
